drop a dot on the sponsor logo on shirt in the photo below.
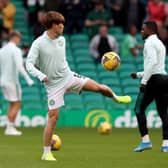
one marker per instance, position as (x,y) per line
(52,102)
(60,43)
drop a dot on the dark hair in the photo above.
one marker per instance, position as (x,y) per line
(52,17)
(151,26)
(15,34)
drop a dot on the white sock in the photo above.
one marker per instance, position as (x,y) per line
(146,138)
(165,142)
(47,149)
(10,124)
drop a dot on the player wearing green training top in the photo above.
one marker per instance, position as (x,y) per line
(47,61)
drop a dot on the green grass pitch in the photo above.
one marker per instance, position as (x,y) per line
(82,148)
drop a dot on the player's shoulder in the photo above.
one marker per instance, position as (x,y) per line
(61,41)
(61,37)
(38,40)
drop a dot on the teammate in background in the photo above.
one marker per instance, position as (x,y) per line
(48,54)
(11,63)
(154,86)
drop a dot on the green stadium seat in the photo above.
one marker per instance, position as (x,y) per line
(83,59)
(30,90)
(107,74)
(124,74)
(81,52)
(86,66)
(78,45)
(73,97)
(79,38)
(115,30)
(139,59)
(140,67)
(128,68)
(130,82)
(130,89)
(95,105)
(74,106)
(93,97)
(111,105)
(111,82)
(117,89)
(92,75)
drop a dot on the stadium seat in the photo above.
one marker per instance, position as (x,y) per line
(83,59)
(92,75)
(95,105)
(130,89)
(107,74)
(76,45)
(130,82)
(124,74)
(115,30)
(81,52)
(79,38)
(111,105)
(111,81)
(86,67)
(93,97)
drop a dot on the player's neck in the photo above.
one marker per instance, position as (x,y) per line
(51,34)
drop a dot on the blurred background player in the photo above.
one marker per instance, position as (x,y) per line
(53,70)
(11,64)
(153,85)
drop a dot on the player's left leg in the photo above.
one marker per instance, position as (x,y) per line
(93,86)
(142,102)
(162,106)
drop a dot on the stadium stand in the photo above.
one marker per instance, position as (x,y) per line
(81,61)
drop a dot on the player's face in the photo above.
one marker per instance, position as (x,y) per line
(144,32)
(17,40)
(59,28)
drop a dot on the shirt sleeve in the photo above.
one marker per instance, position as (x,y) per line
(150,62)
(19,64)
(32,59)
(93,47)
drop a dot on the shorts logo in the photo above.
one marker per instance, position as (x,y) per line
(78,76)
(52,102)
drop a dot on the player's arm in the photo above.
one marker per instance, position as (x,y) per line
(136,75)
(150,62)
(31,61)
(93,47)
(19,64)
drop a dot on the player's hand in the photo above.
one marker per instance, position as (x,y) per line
(45,80)
(142,87)
(134,75)
(30,82)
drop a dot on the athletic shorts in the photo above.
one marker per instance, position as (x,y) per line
(72,85)
(12,92)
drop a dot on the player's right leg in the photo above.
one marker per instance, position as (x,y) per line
(93,86)
(47,136)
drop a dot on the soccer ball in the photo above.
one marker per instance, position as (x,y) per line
(105,128)
(56,142)
(110,61)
